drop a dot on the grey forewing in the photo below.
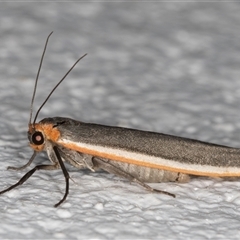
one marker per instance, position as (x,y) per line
(154,144)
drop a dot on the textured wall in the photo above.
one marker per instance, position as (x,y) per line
(167,67)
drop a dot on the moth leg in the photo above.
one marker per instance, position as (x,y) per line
(57,165)
(65,173)
(100,163)
(29,174)
(24,166)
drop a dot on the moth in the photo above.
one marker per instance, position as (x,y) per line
(139,156)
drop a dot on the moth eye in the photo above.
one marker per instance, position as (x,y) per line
(37,138)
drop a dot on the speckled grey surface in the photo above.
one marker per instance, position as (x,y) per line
(167,67)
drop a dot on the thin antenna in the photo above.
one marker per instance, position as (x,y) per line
(36,81)
(56,87)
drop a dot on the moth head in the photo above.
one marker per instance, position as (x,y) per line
(36,137)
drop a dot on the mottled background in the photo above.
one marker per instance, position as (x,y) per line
(167,67)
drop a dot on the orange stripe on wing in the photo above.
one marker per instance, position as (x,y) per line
(106,155)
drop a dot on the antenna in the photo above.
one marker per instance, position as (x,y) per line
(49,95)
(36,81)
